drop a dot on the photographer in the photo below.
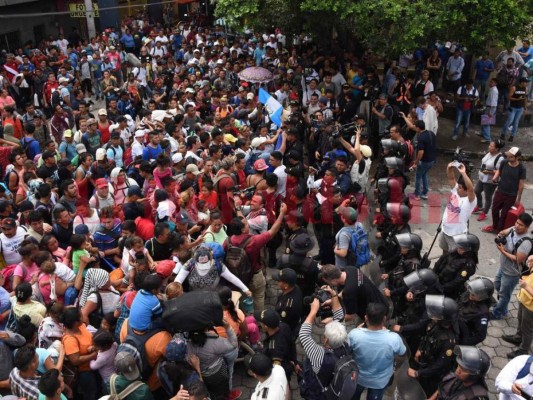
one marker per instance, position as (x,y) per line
(459,208)
(320,360)
(490,163)
(514,245)
(383,112)
(361,166)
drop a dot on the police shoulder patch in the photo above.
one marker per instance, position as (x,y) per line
(283,314)
(463,273)
(449,352)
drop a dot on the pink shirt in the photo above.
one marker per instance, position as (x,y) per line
(25,272)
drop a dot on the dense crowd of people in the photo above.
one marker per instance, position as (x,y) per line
(148,186)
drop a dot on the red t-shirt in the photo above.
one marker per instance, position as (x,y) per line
(254,246)
(145,228)
(226,204)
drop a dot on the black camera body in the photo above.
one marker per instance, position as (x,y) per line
(319,294)
(500,240)
(247,193)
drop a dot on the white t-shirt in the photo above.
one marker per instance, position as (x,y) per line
(64,273)
(136,149)
(273,388)
(10,246)
(92,222)
(109,300)
(282,181)
(489,163)
(457,213)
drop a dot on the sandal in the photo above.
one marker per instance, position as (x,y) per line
(488,229)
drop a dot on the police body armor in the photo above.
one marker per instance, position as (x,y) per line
(451,389)
(306,271)
(470,314)
(436,337)
(449,267)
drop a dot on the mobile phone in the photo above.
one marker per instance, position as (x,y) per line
(456,164)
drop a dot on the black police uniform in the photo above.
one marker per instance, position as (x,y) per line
(452,388)
(398,289)
(389,249)
(453,271)
(306,271)
(289,307)
(281,348)
(436,349)
(292,236)
(473,320)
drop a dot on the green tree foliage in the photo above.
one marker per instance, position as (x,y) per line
(391,27)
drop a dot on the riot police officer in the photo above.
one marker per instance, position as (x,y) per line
(455,268)
(389,148)
(433,358)
(412,320)
(474,310)
(289,305)
(295,222)
(392,221)
(468,380)
(306,268)
(391,189)
(410,246)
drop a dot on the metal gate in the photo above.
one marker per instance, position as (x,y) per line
(10,41)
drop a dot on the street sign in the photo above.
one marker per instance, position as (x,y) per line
(79,11)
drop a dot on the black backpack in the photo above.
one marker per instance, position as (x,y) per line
(238,262)
(56,99)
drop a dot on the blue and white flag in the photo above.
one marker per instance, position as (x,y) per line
(272,106)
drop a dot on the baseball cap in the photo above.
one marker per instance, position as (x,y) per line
(126,366)
(9,223)
(176,350)
(139,133)
(290,71)
(102,111)
(366,151)
(115,135)
(323,100)
(63,80)
(268,317)
(81,229)
(135,191)
(346,86)
(286,275)
(250,96)
(294,154)
(514,151)
(67,133)
(100,154)
(258,141)
(80,148)
(91,121)
(189,90)
(241,89)
(193,169)
(260,165)
(182,219)
(349,213)
(101,182)
(176,158)
(259,364)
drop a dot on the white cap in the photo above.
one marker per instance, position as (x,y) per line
(176,158)
(62,80)
(140,133)
(250,96)
(100,154)
(258,141)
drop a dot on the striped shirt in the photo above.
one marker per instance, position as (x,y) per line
(313,350)
(24,387)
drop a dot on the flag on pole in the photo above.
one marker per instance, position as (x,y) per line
(272,106)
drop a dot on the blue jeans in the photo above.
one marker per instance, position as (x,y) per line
(504,285)
(512,120)
(372,394)
(462,117)
(421,178)
(485,132)
(481,86)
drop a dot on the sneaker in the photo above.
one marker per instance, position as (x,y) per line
(516,353)
(511,138)
(467,135)
(454,137)
(482,217)
(489,229)
(479,134)
(484,141)
(416,197)
(512,339)
(234,394)
(477,210)
(424,196)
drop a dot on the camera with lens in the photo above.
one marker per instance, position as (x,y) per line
(319,294)
(345,131)
(462,157)
(247,193)
(500,240)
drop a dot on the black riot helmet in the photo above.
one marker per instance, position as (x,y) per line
(441,308)
(410,241)
(421,280)
(481,287)
(467,241)
(398,213)
(473,360)
(394,163)
(390,145)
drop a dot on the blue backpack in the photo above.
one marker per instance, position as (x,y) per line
(359,250)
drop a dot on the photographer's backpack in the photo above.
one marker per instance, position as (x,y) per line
(237,260)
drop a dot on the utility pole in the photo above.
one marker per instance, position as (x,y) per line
(90,18)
